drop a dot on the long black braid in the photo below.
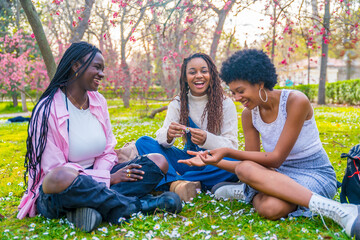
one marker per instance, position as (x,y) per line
(38,125)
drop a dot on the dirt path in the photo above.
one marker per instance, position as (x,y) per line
(11,115)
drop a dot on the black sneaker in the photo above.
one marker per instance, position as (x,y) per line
(85,219)
(168,201)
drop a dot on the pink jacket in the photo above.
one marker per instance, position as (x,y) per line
(57,148)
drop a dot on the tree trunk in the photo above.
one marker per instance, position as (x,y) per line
(219,28)
(126,96)
(14,99)
(274,35)
(83,24)
(23,102)
(324,55)
(348,69)
(40,36)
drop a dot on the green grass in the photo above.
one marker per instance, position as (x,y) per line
(204,218)
(8,107)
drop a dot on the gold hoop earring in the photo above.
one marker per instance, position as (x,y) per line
(266,96)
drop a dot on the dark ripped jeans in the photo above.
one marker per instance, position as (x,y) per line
(119,201)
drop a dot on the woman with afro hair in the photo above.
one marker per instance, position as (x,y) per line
(204,118)
(293,176)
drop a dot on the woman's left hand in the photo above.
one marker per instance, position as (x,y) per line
(198,136)
(130,173)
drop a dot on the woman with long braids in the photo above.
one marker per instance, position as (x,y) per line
(70,159)
(204,118)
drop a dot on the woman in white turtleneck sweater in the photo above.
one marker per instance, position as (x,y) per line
(204,118)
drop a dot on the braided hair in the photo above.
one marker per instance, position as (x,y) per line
(214,106)
(38,125)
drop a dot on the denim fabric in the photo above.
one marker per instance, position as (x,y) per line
(207,175)
(111,203)
(153,175)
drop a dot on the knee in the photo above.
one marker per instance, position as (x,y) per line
(245,170)
(58,179)
(144,139)
(160,161)
(271,210)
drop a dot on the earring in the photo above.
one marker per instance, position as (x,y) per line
(266,96)
(76,74)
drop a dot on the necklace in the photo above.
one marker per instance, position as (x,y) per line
(82,105)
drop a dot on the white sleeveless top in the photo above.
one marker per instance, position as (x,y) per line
(308,141)
(87,138)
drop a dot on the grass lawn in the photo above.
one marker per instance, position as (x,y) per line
(204,218)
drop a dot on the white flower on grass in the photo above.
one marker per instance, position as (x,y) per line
(103,229)
(31,229)
(273,237)
(157,227)
(320,237)
(32,225)
(241,238)
(21,184)
(121,219)
(187,223)
(156,218)
(45,233)
(277,225)
(208,237)
(205,215)
(6,230)
(10,194)
(65,236)
(222,233)
(9,183)
(16,237)
(214,226)
(130,234)
(35,236)
(72,233)
(304,230)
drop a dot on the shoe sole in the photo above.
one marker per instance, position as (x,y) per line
(85,219)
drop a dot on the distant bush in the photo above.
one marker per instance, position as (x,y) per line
(347,91)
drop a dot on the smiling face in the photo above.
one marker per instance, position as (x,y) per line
(90,79)
(246,93)
(197,76)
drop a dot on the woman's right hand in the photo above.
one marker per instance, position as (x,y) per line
(129,173)
(175,130)
(202,158)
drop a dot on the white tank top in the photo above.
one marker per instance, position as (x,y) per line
(87,138)
(308,141)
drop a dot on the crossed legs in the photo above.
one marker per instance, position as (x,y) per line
(278,194)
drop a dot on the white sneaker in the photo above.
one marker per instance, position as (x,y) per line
(346,215)
(229,190)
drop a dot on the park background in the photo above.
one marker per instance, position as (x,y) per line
(313,44)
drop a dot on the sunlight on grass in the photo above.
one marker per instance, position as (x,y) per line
(203,219)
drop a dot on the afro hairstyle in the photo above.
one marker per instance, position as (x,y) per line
(249,65)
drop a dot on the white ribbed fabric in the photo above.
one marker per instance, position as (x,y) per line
(229,132)
(87,138)
(308,141)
